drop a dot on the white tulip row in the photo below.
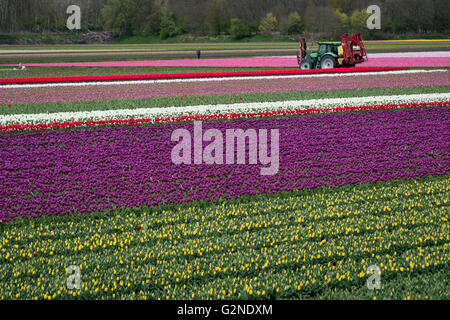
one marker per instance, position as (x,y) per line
(215,109)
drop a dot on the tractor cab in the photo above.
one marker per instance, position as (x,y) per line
(328,47)
(325,57)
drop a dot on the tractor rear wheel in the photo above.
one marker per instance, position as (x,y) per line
(305,64)
(328,63)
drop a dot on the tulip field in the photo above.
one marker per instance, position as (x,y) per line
(363,180)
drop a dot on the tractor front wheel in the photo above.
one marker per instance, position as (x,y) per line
(328,63)
(305,64)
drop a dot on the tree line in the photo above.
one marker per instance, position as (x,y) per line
(238,18)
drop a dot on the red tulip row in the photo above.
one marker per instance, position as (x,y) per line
(127,77)
(206,117)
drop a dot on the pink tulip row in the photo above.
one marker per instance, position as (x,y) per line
(230,87)
(419,59)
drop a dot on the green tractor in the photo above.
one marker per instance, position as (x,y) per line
(346,53)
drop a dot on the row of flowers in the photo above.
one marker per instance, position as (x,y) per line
(266,248)
(87,171)
(37,93)
(187,75)
(207,117)
(204,109)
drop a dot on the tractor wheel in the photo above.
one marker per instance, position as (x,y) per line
(305,64)
(328,63)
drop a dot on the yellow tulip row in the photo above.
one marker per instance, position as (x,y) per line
(318,243)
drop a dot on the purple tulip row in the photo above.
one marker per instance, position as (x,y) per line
(89,170)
